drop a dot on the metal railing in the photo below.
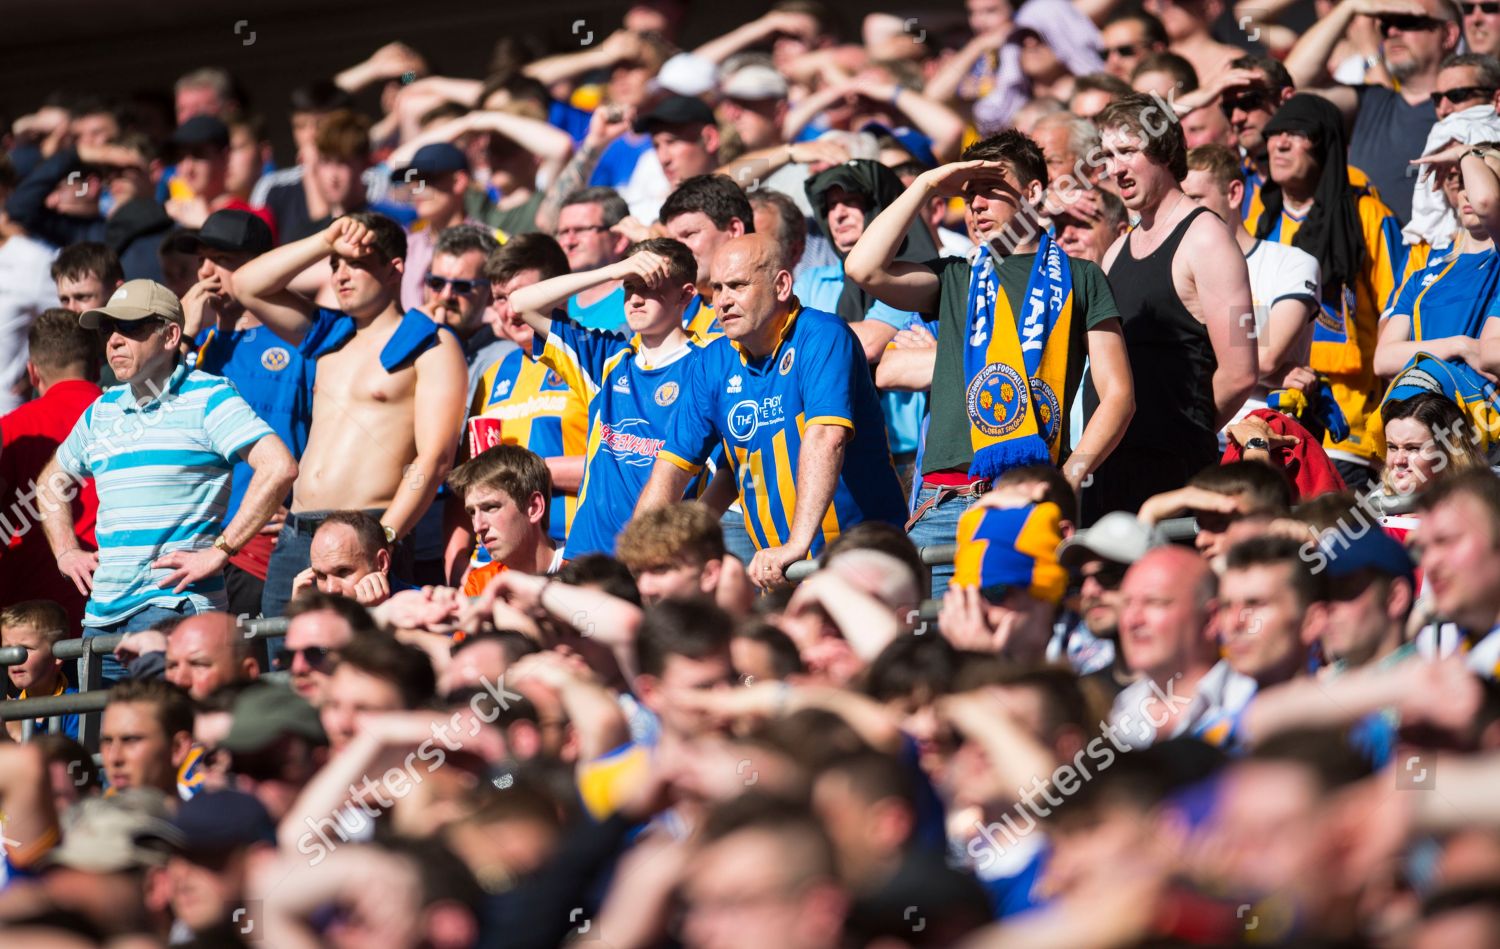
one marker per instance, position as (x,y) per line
(90,699)
(935,555)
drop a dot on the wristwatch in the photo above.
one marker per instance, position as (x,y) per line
(222,543)
(390,533)
(1478,151)
(1257,444)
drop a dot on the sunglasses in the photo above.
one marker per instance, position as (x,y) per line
(130,329)
(1125,52)
(1407,23)
(1463,93)
(1109,576)
(1247,101)
(1488,9)
(461,287)
(316,656)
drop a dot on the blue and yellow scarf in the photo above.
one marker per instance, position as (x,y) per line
(1013,369)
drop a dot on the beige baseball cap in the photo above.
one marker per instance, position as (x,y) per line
(136,300)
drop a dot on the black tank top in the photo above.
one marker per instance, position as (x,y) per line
(1171,359)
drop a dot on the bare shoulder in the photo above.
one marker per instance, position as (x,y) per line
(443,356)
(1206,240)
(1114,251)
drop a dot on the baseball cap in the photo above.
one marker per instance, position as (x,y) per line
(439,158)
(265,713)
(1374,550)
(675,110)
(687,75)
(235,232)
(753,83)
(136,300)
(215,821)
(1012,548)
(125,831)
(1116,536)
(201,130)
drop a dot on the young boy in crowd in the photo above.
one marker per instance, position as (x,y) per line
(36,625)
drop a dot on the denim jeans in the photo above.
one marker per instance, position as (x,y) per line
(736,538)
(111,670)
(939,525)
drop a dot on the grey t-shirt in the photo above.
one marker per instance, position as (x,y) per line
(1388,134)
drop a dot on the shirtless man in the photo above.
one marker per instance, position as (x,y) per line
(1183,291)
(388,400)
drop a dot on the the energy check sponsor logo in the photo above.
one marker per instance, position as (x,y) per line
(625,442)
(747,416)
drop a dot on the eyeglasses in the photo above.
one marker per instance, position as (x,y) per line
(570,231)
(1109,575)
(1124,52)
(461,287)
(1488,9)
(130,329)
(316,656)
(1407,23)
(1463,93)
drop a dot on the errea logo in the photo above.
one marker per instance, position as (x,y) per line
(736,384)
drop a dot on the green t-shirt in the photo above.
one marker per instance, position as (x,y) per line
(948,442)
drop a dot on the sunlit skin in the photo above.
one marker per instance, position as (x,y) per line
(204,169)
(361,284)
(352,694)
(685,151)
(1461,561)
(1459,77)
(338,561)
(1294,163)
(463,312)
(1412,458)
(702,237)
(200,654)
(325,630)
(682,674)
(503,318)
(78,294)
(1481,30)
(40,672)
(847,212)
(1248,117)
(135,751)
(1260,623)
(1099,597)
(1162,621)
(677,581)
(584,238)
(1117,36)
(193,101)
(506,529)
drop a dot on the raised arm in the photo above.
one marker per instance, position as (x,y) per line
(262,285)
(945,85)
(1308,60)
(535,303)
(756,31)
(606,124)
(621,45)
(932,118)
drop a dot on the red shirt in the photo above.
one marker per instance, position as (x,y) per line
(29,437)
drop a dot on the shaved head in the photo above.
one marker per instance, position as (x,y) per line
(206,651)
(1166,614)
(752,289)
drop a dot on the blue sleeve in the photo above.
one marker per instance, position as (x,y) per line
(231,424)
(616,165)
(829,360)
(28,204)
(586,349)
(692,434)
(570,119)
(330,330)
(890,316)
(1406,295)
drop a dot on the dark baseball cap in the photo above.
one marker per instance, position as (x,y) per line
(201,130)
(265,713)
(675,110)
(1374,550)
(439,158)
(234,232)
(216,821)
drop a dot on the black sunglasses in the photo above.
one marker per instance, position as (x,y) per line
(1109,575)
(316,656)
(1126,51)
(1407,23)
(130,329)
(1246,101)
(1463,94)
(461,287)
(1488,9)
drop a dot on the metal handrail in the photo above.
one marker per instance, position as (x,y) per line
(12,655)
(936,555)
(47,706)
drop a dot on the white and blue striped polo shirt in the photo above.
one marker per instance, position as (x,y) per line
(162,471)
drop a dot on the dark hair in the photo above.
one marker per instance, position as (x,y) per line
(603,572)
(1452,433)
(390,239)
(717,197)
(1278,78)
(695,629)
(86,258)
(614,207)
(1102,82)
(530,251)
(1184,76)
(1327,754)
(515,471)
(1220,161)
(513,644)
(1486,66)
(321,95)
(174,709)
(921,667)
(313,600)
(1273,551)
(1155,30)
(406,667)
(1165,147)
(1019,152)
(1058,491)
(58,343)
(463,239)
(887,539)
(682,266)
(8,176)
(367,530)
(791,225)
(785,660)
(1263,489)
(873,777)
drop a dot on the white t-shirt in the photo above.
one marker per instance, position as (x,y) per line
(26,289)
(1278,272)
